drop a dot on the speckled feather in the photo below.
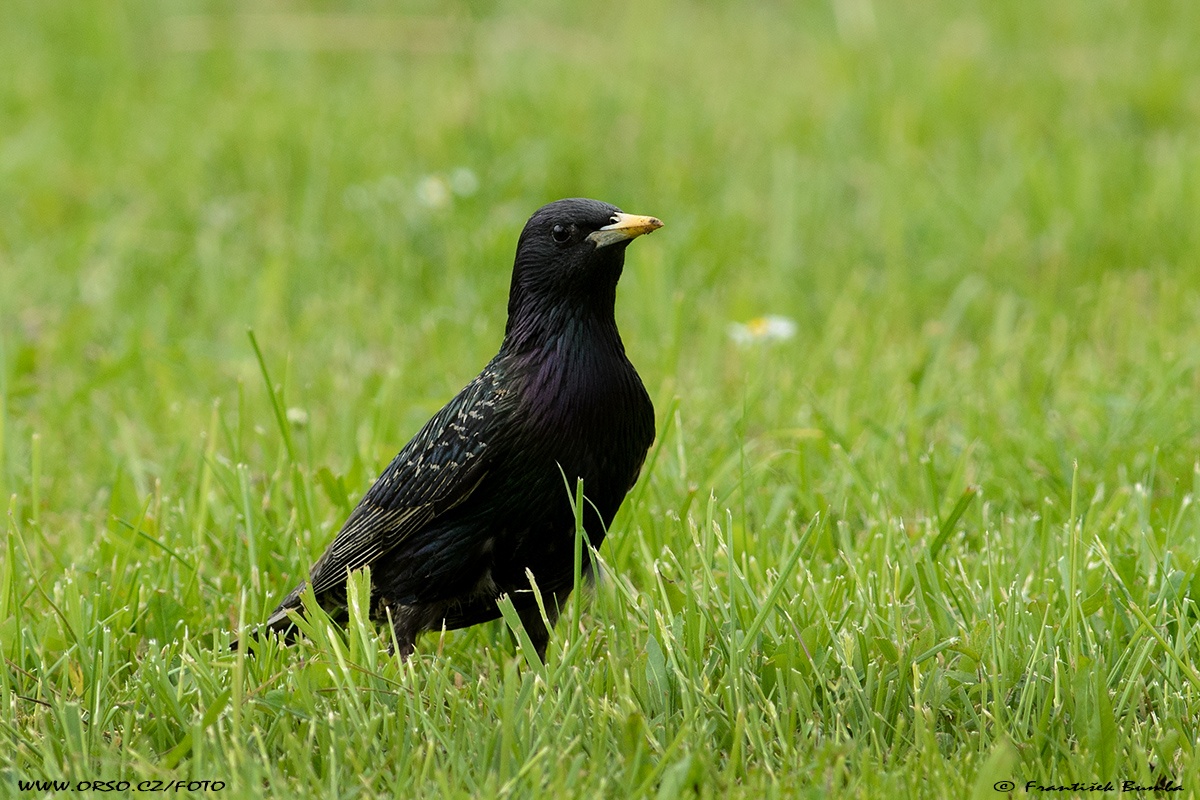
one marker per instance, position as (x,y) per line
(478,496)
(434,472)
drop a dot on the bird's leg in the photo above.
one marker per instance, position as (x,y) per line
(531,618)
(407,646)
(403,626)
(539,635)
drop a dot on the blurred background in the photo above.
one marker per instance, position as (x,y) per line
(974,226)
(348,180)
(930,270)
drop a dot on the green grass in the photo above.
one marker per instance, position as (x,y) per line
(946,535)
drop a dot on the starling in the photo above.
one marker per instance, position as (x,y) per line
(478,497)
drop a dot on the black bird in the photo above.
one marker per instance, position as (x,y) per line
(478,496)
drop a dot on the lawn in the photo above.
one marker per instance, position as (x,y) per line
(939,533)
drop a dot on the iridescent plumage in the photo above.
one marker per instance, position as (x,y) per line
(478,496)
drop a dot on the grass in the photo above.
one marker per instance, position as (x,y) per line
(944,536)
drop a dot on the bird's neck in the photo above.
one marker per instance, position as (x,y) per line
(536,326)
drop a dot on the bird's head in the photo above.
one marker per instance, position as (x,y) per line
(570,256)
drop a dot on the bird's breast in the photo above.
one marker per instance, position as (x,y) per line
(584,392)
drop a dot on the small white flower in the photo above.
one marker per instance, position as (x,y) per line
(771,328)
(464,182)
(297,416)
(432,192)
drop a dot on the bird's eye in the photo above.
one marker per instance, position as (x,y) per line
(560,234)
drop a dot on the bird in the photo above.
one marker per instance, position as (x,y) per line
(482,496)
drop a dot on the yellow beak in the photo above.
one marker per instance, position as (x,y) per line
(623,228)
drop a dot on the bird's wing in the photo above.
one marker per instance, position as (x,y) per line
(436,471)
